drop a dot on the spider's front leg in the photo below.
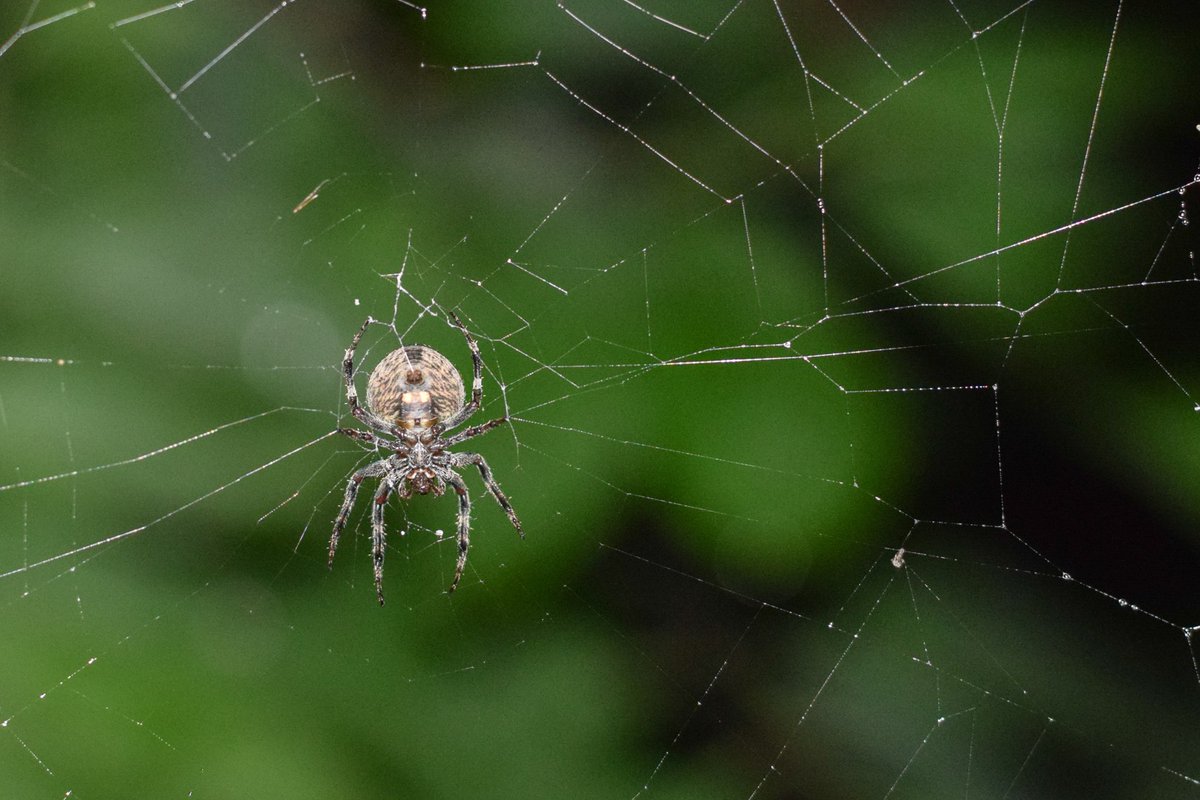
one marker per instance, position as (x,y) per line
(462,459)
(369,471)
(464,526)
(378,535)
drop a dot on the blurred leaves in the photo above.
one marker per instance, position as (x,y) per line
(758,321)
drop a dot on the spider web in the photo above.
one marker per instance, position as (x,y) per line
(849,356)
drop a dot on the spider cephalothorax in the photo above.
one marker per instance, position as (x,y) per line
(414,396)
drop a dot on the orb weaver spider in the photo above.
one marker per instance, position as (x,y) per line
(414,396)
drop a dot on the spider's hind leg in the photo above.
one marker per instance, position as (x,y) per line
(473,404)
(363,415)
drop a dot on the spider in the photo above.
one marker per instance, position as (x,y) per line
(414,396)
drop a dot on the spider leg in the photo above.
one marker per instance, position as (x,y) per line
(476,384)
(474,430)
(378,535)
(462,459)
(369,471)
(464,526)
(354,433)
(361,414)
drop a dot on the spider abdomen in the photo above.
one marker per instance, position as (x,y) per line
(415,387)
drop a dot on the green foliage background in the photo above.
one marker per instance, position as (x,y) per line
(712,480)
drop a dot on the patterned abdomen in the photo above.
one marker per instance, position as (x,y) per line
(411,371)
